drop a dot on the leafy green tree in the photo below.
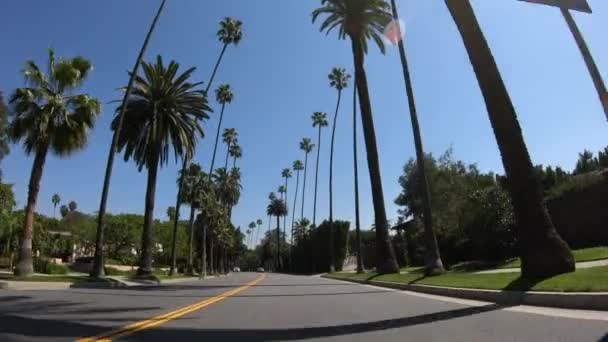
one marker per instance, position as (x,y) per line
(361,20)
(319,119)
(4,138)
(162,114)
(171,213)
(433,264)
(586,163)
(98,263)
(223,95)
(229,137)
(123,236)
(56,200)
(602,158)
(338,78)
(307,146)
(7,218)
(278,209)
(543,252)
(64,210)
(49,116)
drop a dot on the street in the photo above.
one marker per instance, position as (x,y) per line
(275,307)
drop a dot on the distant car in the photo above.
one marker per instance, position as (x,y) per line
(260,269)
(236,269)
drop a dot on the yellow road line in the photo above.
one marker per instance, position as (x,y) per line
(152,322)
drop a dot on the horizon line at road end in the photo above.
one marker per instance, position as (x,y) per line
(158,320)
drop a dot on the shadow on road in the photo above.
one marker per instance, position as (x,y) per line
(35,327)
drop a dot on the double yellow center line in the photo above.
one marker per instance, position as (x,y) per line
(152,322)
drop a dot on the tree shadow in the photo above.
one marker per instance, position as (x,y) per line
(523,284)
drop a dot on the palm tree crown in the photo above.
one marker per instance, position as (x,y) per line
(224,94)
(229,136)
(319,119)
(286,173)
(298,165)
(230,31)
(306,145)
(236,151)
(276,208)
(47,113)
(163,112)
(360,19)
(338,78)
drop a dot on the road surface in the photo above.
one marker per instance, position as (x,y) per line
(274,307)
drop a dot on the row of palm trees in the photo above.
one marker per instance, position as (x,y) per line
(543,252)
(161,112)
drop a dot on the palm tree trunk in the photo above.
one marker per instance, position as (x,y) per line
(178,204)
(314,207)
(385,255)
(543,252)
(211,251)
(147,238)
(217,139)
(433,263)
(217,64)
(285,217)
(25,266)
(189,268)
(293,217)
(234,162)
(97,270)
(356,167)
(203,271)
(332,257)
(278,263)
(304,183)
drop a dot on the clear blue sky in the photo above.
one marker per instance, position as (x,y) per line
(279,75)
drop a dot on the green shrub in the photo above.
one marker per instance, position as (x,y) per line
(45,266)
(578,183)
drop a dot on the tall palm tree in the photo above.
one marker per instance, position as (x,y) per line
(230,32)
(338,78)
(257,232)
(319,119)
(543,252)
(356,179)
(361,20)
(433,263)
(192,180)
(170,213)
(307,146)
(281,190)
(98,262)
(56,200)
(277,208)
(223,95)
(163,113)
(236,152)
(230,137)
(252,226)
(49,116)
(286,173)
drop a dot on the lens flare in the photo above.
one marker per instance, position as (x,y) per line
(394,31)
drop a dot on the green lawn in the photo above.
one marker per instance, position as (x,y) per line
(583,280)
(55,278)
(580,255)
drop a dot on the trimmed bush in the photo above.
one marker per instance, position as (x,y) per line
(45,266)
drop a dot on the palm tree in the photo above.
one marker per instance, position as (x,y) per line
(286,173)
(307,146)
(227,187)
(252,227)
(98,262)
(297,167)
(163,112)
(257,232)
(229,137)
(49,116)
(543,252)
(277,208)
(230,32)
(236,152)
(56,200)
(319,119)
(170,213)
(338,78)
(192,181)
(356,179)
(72,205)
(433,263)
(361,20)
(224,95)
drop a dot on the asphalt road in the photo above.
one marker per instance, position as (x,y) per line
(279,308)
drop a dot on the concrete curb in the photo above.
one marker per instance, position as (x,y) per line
(566,300)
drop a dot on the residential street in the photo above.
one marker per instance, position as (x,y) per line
(279,308)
